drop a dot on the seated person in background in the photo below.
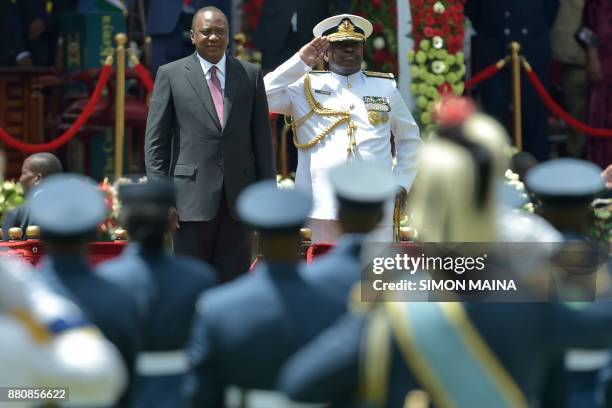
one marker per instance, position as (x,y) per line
(33,170)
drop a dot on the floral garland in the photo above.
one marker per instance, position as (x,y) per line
(602,226)
(251,12)
(107,228)
(381,47)
(437,59)
(11,196)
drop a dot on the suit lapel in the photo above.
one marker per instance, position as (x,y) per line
(196,78)
(232,82)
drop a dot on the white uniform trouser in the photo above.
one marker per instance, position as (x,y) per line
(329,231)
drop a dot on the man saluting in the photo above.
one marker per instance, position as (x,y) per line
(341,114)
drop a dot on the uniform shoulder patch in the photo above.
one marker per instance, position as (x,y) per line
(318,72)
(375,74)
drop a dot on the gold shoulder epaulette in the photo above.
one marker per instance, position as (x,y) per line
(387,75)
(318,72)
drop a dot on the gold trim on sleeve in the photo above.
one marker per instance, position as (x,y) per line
(317,109)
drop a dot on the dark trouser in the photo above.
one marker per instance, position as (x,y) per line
(223,242)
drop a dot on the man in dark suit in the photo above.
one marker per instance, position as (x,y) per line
(165,287)
(286,25)
(497,24)
(168,23)
(208,129)
(33,170)
(68,209)
(244,330)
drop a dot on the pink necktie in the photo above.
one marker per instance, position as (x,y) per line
(216,93)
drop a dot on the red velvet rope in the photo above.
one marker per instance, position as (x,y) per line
(145,76)
(558,110)
(485,74)
(71,132)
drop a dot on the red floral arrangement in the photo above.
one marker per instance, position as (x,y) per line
(445,19)
(437,60)
(251,11)
(107,227)
(381,47)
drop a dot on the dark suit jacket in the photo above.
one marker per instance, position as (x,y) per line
(184,139)
(164,15)
(244,330)
(275,20)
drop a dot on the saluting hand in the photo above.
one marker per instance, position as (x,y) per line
(313,52)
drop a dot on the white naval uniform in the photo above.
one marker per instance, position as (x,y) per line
(285,91)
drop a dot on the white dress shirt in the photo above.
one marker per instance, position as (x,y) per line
(206,66)
(285,91)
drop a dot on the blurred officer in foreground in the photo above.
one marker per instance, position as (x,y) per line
(564,190)
(33,170)
(402,347)
(47,342)
(341,114)
(459,122)
(245,329)
(361,189)
(68,209)
(165,288)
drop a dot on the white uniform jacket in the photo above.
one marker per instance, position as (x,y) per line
(286,95)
